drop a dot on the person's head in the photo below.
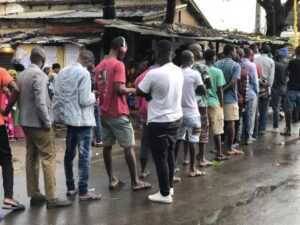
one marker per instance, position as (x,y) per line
(187,58)
(254,48)
(229,51)
(86,58)
(164,51)
(38,57)
(119,47)
(56,67)
(265,49)
(282,54)
(248,53)
(47,70)
(209,56)
(297,52)
(197,51)
(240,54)
(17,65)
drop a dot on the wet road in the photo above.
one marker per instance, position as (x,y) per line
(260,188)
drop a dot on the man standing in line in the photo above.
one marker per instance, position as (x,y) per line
(191,125)
(215,102)
(293,90)
(266,82)
(163,86)
(35,119)
(111,79)
(6,81)
(74,106)
(232,72)
(250,95)
(202,103)
(279,88)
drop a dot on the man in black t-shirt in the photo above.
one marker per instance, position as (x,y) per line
(293,88)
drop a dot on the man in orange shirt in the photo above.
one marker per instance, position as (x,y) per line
(6,81)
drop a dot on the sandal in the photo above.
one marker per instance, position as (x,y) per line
(205,164)
(16,206)
(116,185)
(141,186)
(222,158)
(238,152)
(197,173)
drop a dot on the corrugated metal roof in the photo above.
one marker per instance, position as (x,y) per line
(92,13)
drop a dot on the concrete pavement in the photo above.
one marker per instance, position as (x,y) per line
(260,188)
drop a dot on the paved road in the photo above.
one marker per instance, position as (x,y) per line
(260,188)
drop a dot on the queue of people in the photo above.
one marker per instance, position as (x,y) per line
(228,98)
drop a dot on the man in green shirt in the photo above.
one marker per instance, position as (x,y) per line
(215,102)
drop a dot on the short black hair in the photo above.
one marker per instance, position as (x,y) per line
(247,52)
(118,42)
(187,58)
(265,48)
(164,48)
(56,66)
(209,55)
(228,49)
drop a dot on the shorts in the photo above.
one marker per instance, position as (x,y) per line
(216,119)
(118,129)
(190,126)
(293,100)
(204,133)
(231,112)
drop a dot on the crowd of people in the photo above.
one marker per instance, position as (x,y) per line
(178,106)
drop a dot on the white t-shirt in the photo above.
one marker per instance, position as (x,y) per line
(165,86)
(192,79)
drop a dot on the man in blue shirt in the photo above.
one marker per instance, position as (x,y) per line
(232,72)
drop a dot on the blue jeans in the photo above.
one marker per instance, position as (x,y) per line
(263,106)
(81,138)
(248,119)
(98,128)
(278,95)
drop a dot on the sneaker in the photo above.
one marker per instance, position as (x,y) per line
(90,196)
(98,144)
(38,200)
(58,203)
(157,197)
(172,192)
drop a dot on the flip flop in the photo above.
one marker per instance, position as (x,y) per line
(197,173)
(230,153)
(144,175)
(117,185)
(142,186)
(205,164)
(17,206)
(222,158)
(238,152)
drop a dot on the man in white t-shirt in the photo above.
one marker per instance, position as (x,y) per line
(163,89)
(191,125)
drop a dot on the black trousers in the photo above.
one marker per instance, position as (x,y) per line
(6,163)
(162,137)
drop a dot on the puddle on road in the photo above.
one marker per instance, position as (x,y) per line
(261,191)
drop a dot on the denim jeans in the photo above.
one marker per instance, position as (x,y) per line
(263,106)
(247,119)
(278,96)
(81,138)
(98,128)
